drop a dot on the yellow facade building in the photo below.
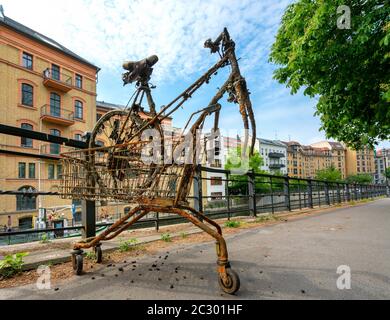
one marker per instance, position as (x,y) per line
(305,161)
(47,88)
(338,153)
(360,161)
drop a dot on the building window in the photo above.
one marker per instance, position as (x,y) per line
(55,105)
(216,181)
(31,170)
(216,195)
(22,170)
(55,148)
(27,95)
(78,109)
(79,81)
(51,172)
(59,171)
(26,202)
(55,72)
(98,116)
(216,164)
(27,60)
(26,142)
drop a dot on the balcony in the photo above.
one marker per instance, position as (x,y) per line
(57,115)
(276,155)
(57,81)
(276,166)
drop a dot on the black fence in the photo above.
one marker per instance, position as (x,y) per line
(243,195)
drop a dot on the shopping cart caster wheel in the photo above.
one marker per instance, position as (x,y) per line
(98,254)
(77,261)
(232,282)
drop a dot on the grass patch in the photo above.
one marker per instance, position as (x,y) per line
(12,265)
(128,245)
(232,224)
(90,255)
(45,239)
(184,235)
(166,237)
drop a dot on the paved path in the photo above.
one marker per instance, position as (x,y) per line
(294,260)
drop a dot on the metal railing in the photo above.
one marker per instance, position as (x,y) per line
(247,195)
(60,113)
(57,76)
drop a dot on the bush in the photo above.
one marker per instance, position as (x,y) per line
(232,224)
(12,265)
(128,245)
(45,238)
(166,237)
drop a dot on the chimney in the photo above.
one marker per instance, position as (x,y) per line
(2,12)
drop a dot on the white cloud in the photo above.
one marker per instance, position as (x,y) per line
(108,32)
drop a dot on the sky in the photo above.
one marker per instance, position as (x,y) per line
(108,32)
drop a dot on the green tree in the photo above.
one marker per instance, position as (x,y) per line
(348,69)
(360,178)
(330,174)
(387,173)
(239,181)
(235,161)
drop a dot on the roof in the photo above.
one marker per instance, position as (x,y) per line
(20,28)
(109,106)
(292,143)
(336,145)
(276,143)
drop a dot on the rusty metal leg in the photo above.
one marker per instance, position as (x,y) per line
(222,252)
(205,218)
(96,240)
(127,225)
(228,280)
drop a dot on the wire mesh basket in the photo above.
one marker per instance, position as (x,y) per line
(118,173)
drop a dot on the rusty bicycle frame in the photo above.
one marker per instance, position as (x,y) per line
(116,172)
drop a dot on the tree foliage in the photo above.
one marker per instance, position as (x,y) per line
(387,173)
(329,174)
(239,182)
(360,178)
(348,69)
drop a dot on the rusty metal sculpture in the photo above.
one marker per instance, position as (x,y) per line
(116,170)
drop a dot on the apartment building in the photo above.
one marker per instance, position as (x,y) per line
(360,161)
(338,153)
(382,162)
(306,161)
(274,154)
(45,87)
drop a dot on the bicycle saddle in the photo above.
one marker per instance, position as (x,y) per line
(139,70)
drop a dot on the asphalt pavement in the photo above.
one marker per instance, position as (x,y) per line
(294,260)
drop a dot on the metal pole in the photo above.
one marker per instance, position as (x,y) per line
(287,199)
(88,218)
(227,195)
(310,193)
(327,197)
(198,192)
(252,194)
